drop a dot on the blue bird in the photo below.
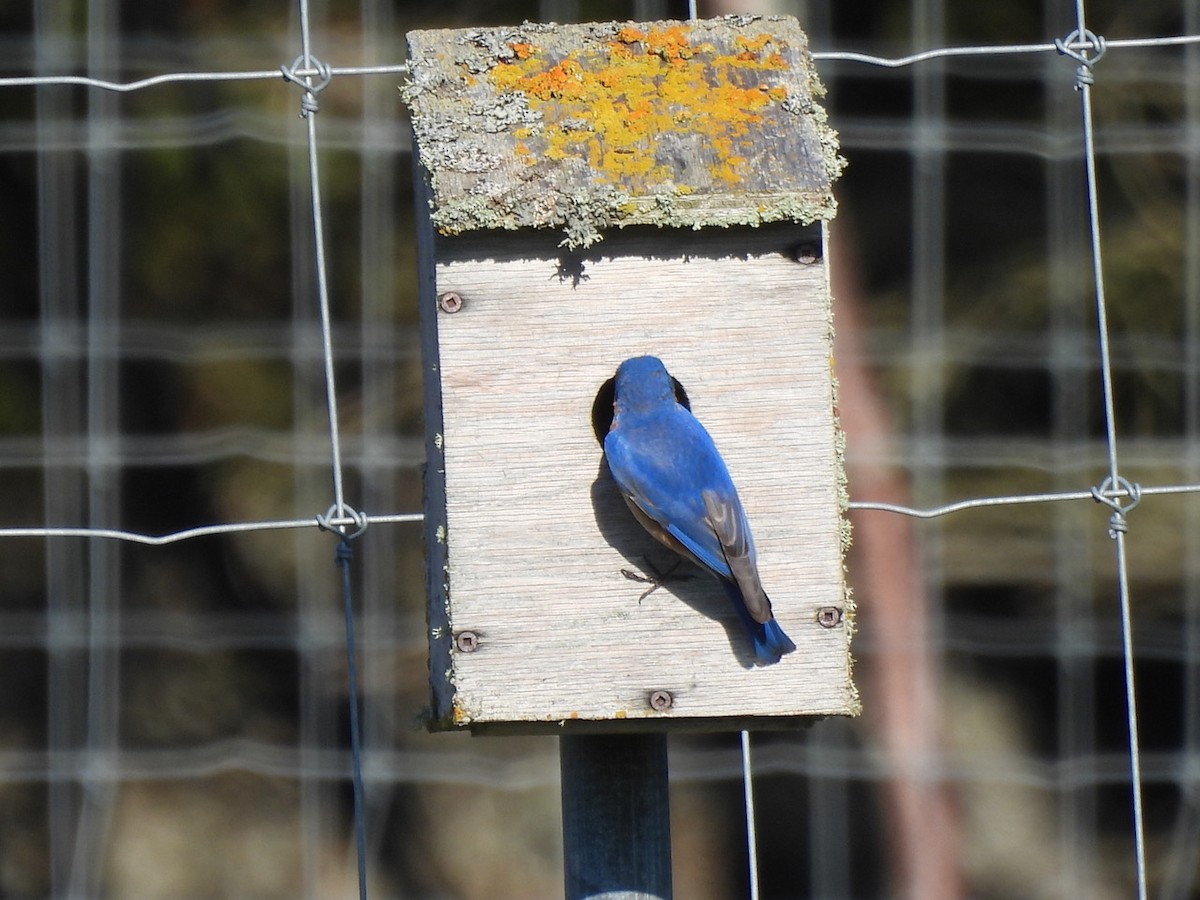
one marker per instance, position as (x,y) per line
(677,486)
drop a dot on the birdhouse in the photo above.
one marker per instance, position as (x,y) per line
(588,194)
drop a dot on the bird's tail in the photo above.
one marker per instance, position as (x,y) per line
(770,643)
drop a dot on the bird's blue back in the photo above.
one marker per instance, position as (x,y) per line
(676,483)
(662,457)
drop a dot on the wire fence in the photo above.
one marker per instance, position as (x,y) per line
(88,756)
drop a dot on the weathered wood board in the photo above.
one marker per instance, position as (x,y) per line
(532,622)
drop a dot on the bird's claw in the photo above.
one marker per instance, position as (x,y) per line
(634,576)
(657,580)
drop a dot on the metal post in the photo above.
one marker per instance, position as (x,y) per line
(616,816)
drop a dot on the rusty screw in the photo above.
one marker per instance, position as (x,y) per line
(829,616)
(466,641)
(661,701)
(807,254)
(450,302)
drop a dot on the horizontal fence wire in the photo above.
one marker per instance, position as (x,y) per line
(897,62)
(340,522)
(123,87)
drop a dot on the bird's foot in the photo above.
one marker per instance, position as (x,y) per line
(656,580)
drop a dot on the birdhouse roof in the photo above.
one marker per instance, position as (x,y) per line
(589,127)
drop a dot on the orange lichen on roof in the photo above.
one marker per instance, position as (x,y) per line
(751,45)
(670,43)
(611,106)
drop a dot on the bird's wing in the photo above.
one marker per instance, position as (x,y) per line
(701,542)
(728,521)
(667,496)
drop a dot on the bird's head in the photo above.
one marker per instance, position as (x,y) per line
(643,383)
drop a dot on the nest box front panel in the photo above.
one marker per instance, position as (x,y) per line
(534,617)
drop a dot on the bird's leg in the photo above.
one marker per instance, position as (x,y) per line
(656,580)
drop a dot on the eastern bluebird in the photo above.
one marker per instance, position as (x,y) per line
(678,488)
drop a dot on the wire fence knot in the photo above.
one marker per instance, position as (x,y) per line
(1108,493)
(308,103)
(1083,74)
(335,520)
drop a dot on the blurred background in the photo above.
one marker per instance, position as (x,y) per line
(173,719)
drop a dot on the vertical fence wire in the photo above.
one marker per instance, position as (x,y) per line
(308,111)
(309,106)
(751,826)
(1117,530)
(339,508)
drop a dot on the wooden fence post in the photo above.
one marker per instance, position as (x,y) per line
(616,816)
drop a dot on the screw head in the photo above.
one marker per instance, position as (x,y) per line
(660,701)
(829,616)
(807,254)
(466,641)
(450,302)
